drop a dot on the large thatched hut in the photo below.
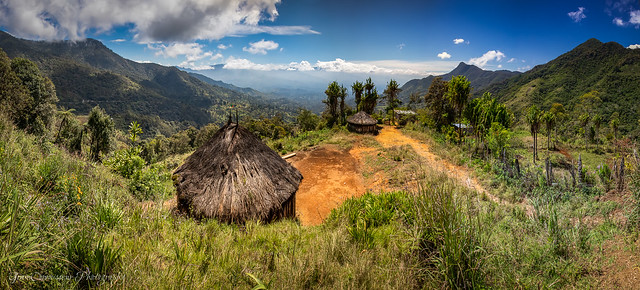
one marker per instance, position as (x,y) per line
(234,177)
(361,122)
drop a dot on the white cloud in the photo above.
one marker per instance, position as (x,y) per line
(444,55)
(151,20)
(401,46)
(485,58)
(242,63)
(261,47)
(635,17)
(524,68)
(511,60)
(619,22)
(634,46)
(192,51)
(119,40)
(578,15)
(458,41)
(223,47)
(388,67)
(499,66)
(301,66)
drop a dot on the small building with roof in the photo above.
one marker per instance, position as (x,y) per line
(234,177)
(361,122)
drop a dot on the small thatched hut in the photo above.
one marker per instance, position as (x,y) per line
(361,122)
(234,177)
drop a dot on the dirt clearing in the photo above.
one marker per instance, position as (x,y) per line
(331,175)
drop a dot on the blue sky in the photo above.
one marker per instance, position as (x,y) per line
(401,39)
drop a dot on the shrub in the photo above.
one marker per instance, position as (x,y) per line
(148,183)
(126,162)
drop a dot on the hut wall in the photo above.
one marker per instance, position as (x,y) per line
(288,209)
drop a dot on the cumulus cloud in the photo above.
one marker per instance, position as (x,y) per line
(458,41)
(223,47)
(487,57)
(524,68)
(618,21)
(635,18)
(340,65)
(634,46)
(444,55)
(151,20)
(261,47)
(578,15)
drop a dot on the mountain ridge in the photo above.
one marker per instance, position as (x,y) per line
(164,99)
(609,68)
(478,78)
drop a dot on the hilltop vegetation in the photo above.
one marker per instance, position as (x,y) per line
(606,68)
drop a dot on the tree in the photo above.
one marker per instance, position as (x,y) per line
(549,120)
(483,112)
(414,99)
(614,124)
(436,101)
(40,107)
(597,121)
(370,100)
(533,117)
(357,89)
(307,120)
(14,96)
(584,123)
(333,93)
(458,94)
(100,126)
(391,96)
(560,116)
(134,132)
(342,96)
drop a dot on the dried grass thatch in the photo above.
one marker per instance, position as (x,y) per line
(361,118)
(235,177)
(361,122)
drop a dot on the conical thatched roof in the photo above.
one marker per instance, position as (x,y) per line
(362,118)
(234,177)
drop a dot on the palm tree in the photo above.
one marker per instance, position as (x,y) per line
(584,122)
(333,93)
(357,89)
(597,121)
(549,120)
(533,118)
(458,94)
(391,95)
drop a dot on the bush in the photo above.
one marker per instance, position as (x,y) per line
(148,183)
(126,162)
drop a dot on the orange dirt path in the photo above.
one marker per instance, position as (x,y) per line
(330,176)
(390,136)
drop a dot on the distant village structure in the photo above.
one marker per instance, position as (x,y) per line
(235,177)
(361,122)
(400,114)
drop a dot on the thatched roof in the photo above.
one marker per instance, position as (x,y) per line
(235,177)
(362,118)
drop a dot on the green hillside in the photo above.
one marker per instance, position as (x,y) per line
(608,68)
(164,99)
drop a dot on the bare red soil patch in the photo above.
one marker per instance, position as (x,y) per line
(331,175)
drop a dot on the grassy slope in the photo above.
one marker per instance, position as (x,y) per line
(440,235)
